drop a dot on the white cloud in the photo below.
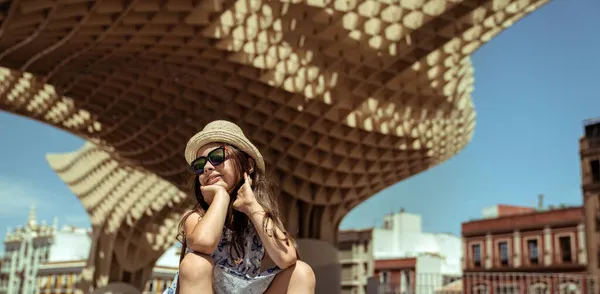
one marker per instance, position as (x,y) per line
(17,196)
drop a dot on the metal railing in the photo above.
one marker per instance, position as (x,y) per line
(489,283)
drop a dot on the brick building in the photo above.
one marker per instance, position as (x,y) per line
(530,247)
(506,210)
(398,273)
(589,146)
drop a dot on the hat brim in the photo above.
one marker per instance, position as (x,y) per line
(222,136)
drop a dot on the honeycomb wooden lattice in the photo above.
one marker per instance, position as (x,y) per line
(344,98)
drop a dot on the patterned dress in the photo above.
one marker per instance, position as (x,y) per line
(238,277)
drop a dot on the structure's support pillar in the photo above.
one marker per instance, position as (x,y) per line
(111,263)
(323,258)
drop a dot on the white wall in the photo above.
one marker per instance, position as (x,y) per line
(428,264)
(407,223)
(406,239)
(490,212)
(384,243)
(429,271)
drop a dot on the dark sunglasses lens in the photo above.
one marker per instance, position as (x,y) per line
(198,165)
(217,156)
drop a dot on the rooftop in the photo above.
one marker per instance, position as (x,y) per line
(532,220)
(592,128)
(170,258)
(31,228)
(73,244)
(70,244)
(591,121)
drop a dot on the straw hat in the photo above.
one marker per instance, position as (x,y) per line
(222,131)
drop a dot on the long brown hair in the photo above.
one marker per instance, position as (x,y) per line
(265,192)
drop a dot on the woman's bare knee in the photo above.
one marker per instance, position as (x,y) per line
(297,279)
(303,273)
(196,267)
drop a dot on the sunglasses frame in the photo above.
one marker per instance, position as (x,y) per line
(207,158)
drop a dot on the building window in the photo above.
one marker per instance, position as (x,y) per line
(477,255)
(151,285)
(44,282)
(480,289)
(595,165)
(539,288)
(384,277)
(63,281)
(565,249)
(532,246)
(503,250)
(507,289)
(387,225)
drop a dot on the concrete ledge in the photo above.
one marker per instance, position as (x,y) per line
(117,288)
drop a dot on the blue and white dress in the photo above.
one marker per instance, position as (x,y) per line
(243,276)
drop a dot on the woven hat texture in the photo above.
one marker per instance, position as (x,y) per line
(222,131)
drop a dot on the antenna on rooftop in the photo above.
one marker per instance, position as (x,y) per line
(55,223)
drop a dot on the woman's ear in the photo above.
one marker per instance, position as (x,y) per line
(251,164)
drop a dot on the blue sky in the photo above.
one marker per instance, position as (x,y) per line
(534,84)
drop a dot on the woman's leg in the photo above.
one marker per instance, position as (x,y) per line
(297,279)
(196,274)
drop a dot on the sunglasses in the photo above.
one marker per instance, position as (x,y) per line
(215,158)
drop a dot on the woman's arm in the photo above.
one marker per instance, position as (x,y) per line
(282,254)
(203,233)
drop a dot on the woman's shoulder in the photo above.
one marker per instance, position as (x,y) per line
(191,217)
(195,210)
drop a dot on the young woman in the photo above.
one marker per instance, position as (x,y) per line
(233,239)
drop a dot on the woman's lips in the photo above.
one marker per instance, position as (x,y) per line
(213,180)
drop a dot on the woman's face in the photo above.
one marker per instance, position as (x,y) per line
(223,174)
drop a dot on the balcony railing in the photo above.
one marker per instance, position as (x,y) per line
(346,255)
(490,283)
(591,144)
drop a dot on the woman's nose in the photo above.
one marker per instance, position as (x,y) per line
(208,166)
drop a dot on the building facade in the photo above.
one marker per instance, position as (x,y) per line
(525,251)
(398,256)
(26,249)
(42,259)
(589,146)
(356,259)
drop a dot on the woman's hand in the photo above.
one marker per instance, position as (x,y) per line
(210,192)
(246,201)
